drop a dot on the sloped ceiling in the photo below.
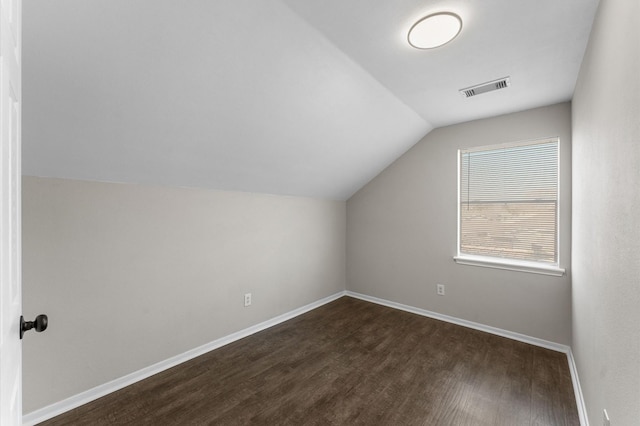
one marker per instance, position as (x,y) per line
(295,97)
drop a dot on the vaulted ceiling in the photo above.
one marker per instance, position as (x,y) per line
(296,97)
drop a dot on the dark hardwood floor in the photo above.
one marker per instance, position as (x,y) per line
(351,362)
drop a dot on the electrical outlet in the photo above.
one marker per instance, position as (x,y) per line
(440,289)
(247,299)
(605,418)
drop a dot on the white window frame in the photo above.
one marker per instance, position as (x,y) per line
(552,269)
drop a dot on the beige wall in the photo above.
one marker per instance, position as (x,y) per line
(131,275)
(401,233)
(606,225)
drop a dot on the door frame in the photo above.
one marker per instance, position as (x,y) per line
(10,212)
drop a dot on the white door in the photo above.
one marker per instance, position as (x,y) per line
(10,263)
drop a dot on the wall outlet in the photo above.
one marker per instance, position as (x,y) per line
(605,418)
(440,289)
(247,299)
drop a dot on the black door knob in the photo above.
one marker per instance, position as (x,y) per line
(40,324)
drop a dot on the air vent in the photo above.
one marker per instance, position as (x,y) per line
(489,86)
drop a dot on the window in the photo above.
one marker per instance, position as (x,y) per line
(508,206)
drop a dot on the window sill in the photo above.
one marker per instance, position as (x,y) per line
(508,265)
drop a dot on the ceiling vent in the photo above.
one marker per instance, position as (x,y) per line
(489,86)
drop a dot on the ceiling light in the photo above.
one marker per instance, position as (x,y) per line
(434,30)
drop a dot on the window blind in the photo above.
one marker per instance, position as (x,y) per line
(509,201)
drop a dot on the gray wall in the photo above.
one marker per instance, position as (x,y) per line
(131,275)
(401,233)
(606,227)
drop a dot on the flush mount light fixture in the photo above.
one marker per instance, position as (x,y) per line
(434,30)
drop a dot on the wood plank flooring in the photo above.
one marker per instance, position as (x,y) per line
(351,362)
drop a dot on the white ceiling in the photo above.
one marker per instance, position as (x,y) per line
(296,97)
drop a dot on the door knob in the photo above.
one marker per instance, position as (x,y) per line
(40,324)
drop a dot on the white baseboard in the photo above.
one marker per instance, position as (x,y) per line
(65,405)
(75,401)
(469,324)
(577,390)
